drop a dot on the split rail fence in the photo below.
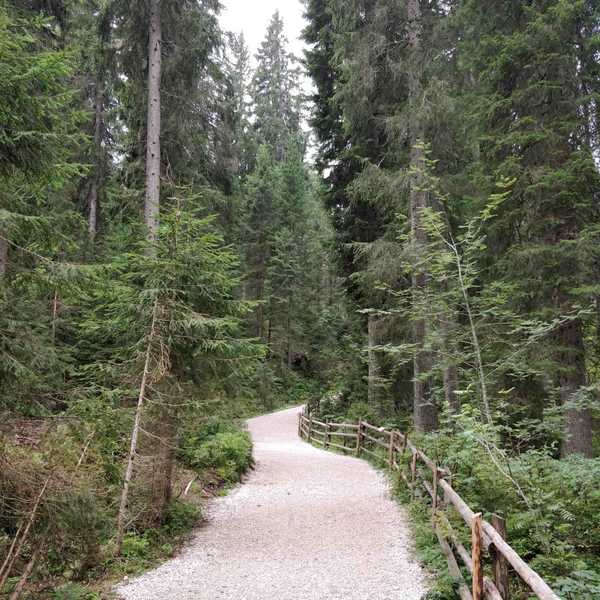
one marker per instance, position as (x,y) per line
(488,538)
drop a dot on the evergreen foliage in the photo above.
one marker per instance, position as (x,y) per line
(436,268)
(459,150)
(114,349)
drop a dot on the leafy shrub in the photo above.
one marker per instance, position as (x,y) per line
(551,505)
(136,547)
(220,447)
(73,591)
(361,410)
(180,517)
(582,585)
(298,389)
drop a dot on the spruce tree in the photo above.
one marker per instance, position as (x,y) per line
(531,120)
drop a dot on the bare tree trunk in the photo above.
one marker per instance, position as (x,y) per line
(425,410)
(450,368)
(450,387)
(93,211)
(162,479)
(3,255)
(54,314)
(259,261)
(572,377)
(374,376)
(27,572)
(153,155)
(97,177)
(289,333)
(121,520)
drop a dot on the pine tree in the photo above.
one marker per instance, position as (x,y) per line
(531,114)
(275,92)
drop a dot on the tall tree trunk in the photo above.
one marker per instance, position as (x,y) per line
(288,332)
(98,160)
(258,269)
(450,368)
(121,519)
(449,360)
(373,389)
(153,156)
(162,485)
(3,255)
(55,309)
(572,377)
(425,411)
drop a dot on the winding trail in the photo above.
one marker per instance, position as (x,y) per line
(306,525)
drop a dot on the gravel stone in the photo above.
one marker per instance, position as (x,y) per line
(306,525)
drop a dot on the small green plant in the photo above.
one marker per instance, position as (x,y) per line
(361,410)
(73,591)
(136,547)
(221,448)
(180,517)
(581,585)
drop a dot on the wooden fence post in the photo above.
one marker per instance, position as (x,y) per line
(391,450)
(300,424)
(359,437)
(476,545)
(310,420)
(327,435)
(499,563)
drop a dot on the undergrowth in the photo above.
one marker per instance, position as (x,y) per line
(214,456)
(551,505)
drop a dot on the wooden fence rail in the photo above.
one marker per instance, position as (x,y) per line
(487,538)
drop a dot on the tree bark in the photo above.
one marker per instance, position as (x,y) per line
(55,304)
(3,255)
(374,376)
(572,377)
(450,385)
(97,177)
(450,368)
(425,410)
(134,435)
(163,465)
(288,328)
(153,153)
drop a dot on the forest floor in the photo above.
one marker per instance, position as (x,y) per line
(307,524)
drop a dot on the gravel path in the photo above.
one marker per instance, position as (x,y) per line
(307,525)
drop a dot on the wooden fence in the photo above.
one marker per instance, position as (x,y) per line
(488,538)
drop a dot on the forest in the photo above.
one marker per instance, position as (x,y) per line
(189,237)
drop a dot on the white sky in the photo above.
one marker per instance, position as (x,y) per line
(253,16)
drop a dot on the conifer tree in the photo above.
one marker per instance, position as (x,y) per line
(275,91)
(532,118)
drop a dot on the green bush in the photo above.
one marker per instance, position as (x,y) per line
(221,448)
(551,505)
(136,547)
(361,410)
(73,591)
(180,517)
(298,389)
